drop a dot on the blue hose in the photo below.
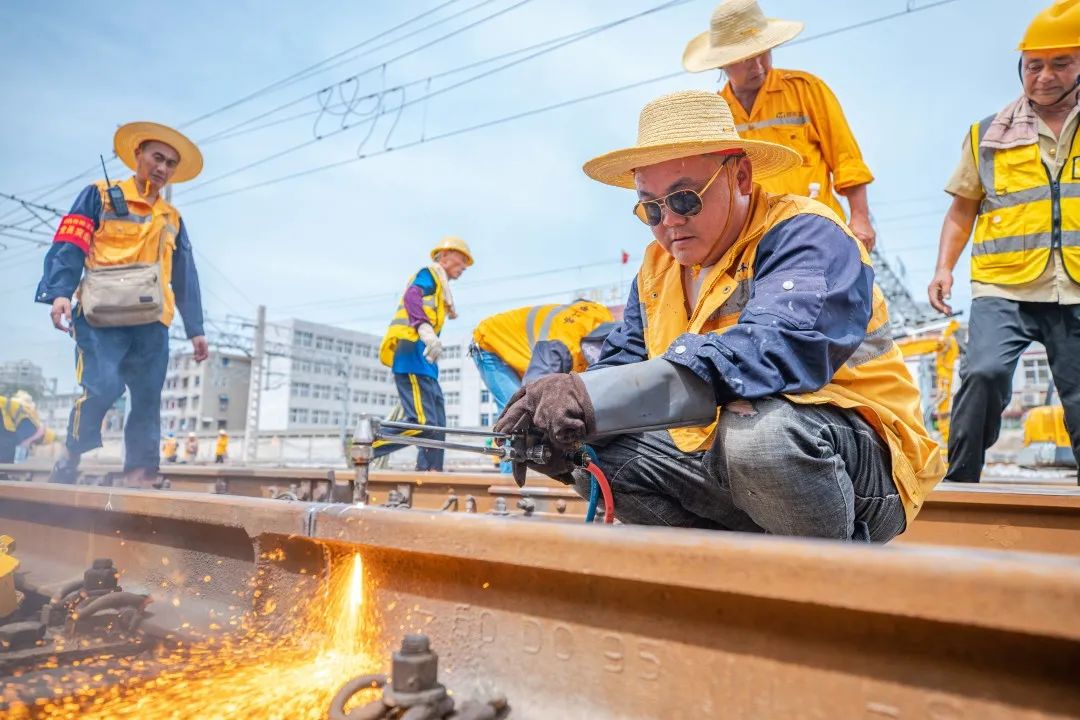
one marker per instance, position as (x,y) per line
(594,489)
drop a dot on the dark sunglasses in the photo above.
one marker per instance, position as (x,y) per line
(681,202)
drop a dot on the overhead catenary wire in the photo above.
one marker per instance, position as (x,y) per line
(517,116)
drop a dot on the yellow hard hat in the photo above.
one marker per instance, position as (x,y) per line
(452,242)
(1058,26)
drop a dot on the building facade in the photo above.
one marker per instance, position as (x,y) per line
(207,396)
(322,378)
(23,375)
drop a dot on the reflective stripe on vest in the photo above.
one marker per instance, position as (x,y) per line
(1026,213)
(795,120)
(400,327)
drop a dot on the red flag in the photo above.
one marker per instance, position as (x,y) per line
(625,257)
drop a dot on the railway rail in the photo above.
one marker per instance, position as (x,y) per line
(1031,518)
(574,621)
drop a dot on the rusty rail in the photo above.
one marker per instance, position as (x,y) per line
(998,517)
(576,621)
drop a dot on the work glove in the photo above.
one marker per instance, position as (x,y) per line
(557,406)
(432,344)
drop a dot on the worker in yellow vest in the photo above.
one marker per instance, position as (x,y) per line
(521,345)
(191,448)
(760,312)
(788,107)
(1018,186)
(411,347)
(20,426)
(124,253)
(221,447)
(170,448)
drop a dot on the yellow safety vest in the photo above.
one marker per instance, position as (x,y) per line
(14,412)
(400,329)
(146,233)
(1025,214)
(874,382)
(512,335)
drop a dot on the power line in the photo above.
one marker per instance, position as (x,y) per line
(305,72)
(344,128)
(508,118)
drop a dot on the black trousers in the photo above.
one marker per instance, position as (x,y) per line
(999,331)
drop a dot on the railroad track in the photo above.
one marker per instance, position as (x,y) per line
(1030,518)
(575,621)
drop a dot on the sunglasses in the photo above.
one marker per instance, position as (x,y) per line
(686,203)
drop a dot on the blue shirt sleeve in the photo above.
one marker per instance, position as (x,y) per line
(548,357)
(64,261)
(425,281)
(185,285)
(626,343)
(810,302)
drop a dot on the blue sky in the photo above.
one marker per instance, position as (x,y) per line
(337,246)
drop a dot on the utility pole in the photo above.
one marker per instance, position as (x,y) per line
(258,362)
(344,368)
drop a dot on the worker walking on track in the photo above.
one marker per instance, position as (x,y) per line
(411,347)
(221,447)
(788,107)
(765,304)
(20,426)
(1018,186)
(126,250)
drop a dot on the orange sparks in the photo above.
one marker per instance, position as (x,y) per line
(288,665)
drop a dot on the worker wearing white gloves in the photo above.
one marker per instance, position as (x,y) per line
(411,346)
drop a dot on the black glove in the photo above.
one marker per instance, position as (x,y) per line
(556,406)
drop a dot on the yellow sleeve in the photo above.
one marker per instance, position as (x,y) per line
(838,145)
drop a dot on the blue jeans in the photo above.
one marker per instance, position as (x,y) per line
(775,467)
(500,379)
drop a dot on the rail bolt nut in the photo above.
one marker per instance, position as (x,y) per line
(415,666)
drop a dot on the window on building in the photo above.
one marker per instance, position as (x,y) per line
(320,417)
(485,396)
(453,398)
(1036,372)
(343,346)
(336,419)
(363,396)
(363,350)
(485,419)
(365,373)
(223,403)
(181,403)
(195,401)
(452,353)
(339,392)
(298,415)
(184,383)
(224,361)
(450,375)
(324,343)
(303,339)
(452,421)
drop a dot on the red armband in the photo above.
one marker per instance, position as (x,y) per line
(75,229)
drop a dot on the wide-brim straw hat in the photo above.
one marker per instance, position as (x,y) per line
(737,30)
(685,124)
(129,137)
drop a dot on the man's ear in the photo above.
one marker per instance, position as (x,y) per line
(744,176)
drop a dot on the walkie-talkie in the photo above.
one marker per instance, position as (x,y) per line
(116,195)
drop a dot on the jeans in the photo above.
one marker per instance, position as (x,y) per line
(501,381)
(775,467)
(998,333)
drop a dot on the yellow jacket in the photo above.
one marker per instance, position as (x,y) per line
(873,381)
(1025,212)
(799,110)
(221,447)
(169,447)
(512,335)
(13,413)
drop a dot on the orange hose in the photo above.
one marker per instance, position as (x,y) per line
(605,489)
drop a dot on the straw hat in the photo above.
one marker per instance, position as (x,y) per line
(131,136)
(738,30)
(684,124)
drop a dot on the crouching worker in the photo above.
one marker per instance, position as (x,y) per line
(757,316)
